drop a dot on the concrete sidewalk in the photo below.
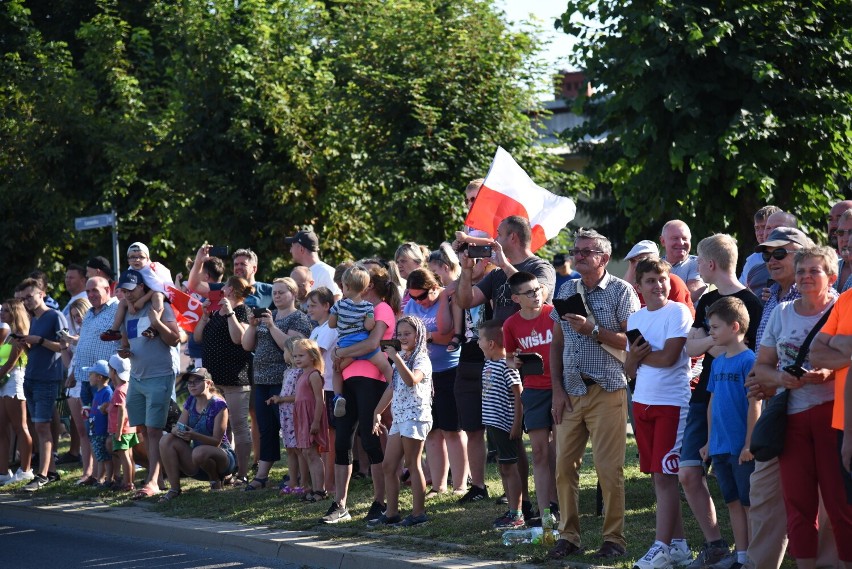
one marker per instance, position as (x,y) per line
(311,549)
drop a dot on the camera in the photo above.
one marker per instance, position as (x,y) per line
(220,251)
(479,251)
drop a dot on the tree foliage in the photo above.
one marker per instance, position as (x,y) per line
(710,110)
(239,122)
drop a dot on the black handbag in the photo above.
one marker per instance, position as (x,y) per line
(767,437)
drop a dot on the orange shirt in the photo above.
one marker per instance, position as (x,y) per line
(839,323)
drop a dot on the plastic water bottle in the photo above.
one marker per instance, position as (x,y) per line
(517,536)
(547,538)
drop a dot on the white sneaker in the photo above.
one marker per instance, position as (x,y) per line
(680,553)
(657,558)
(6,478)
(21,476)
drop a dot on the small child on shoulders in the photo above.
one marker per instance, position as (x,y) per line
(124,436)
(501,415)
(353,318)
(156,278)
(99,420)
(731,414)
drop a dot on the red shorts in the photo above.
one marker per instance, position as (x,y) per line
(659,434)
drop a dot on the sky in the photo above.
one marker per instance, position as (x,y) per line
(545,12)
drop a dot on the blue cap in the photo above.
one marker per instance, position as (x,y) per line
(130,279)
(101,367)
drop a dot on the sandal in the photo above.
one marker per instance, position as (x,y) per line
(240,481)
(315,496)
(216,485)
(286,490)
(260,481)
(87,481)
(563,548)
(150,333)
(432,493)
(146,492)
(168,496)
(110,336)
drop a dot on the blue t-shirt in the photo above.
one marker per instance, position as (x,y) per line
(44,365)
(100,421)
(441,359)
(730,402)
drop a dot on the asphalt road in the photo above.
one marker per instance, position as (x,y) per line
(27,545)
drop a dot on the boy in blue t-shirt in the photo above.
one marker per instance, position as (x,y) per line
(99,420)
(731,414)
(501,415)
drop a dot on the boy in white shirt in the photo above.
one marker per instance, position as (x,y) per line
(658,361)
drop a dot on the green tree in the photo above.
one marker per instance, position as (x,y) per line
(710,111)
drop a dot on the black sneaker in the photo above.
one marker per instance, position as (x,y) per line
(474,494)
(412,520)
(502,500)
(528,510)
(68,458)
(383,520)
(554,511)
(336,513)
(376,510)
(36,483)
(53,477)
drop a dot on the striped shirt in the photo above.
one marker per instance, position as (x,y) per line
(351,315)
(498,400)
(612,301)
(90,347)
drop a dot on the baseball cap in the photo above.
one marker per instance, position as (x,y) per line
(121,366)
(780,236)
(101,264)
(100,367)
(130,279)
(643,248)
(138,246)
(197,372)
(307,239)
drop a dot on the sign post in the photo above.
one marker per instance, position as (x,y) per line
(102,220)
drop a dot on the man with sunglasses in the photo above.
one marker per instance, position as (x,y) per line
(590,392)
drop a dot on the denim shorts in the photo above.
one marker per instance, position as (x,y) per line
(148,400)
(41,399)
(537,404)
(733,477)
(694,435)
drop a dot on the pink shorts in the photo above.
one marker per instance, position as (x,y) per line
(659,434)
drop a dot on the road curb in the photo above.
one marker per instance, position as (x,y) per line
(305,548)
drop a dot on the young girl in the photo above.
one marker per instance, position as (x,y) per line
(13,404)
(309,416)
(286,402)
(410,395)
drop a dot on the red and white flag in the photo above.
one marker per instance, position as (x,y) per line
(187,309)
(508,190)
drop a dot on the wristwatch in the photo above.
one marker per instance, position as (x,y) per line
(595,331)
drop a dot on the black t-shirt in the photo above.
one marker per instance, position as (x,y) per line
(495,285)
(755,310)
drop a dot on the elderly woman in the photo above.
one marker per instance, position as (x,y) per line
(810,464)
(221,334)
(429,302)
(266,336)
(198,445)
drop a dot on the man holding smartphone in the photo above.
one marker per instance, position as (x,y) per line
(245,266)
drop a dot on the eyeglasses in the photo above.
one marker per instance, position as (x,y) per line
(531,293)
(777,254)
(584,252)
(419,297)
(842,232)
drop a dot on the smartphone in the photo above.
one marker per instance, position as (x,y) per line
(215,297)
(220,251)
(393,343)
(64,332)
(181,426)
(633,335)
(16,336)
(794,370)
(572,305)
(479,251)
(258,312)
(533,364)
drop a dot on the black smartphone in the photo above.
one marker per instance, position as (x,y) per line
(16,336)
(258,312)
(794,370)
(479,251)
(533,364)
(393,343)
(220,251)
(571,305)
(633,335)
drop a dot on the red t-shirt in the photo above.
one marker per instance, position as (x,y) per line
(531,336)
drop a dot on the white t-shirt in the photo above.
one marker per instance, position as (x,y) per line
(669,385)
(326,338)
(323,275)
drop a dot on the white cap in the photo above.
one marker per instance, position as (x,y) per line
(121,366)
(643,248)
(138,246)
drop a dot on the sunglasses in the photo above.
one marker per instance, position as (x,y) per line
(777,254)
(584,252)
(419,297)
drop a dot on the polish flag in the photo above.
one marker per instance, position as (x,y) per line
(508,190)
(187,309)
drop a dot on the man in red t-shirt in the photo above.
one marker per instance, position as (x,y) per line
(530,331)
